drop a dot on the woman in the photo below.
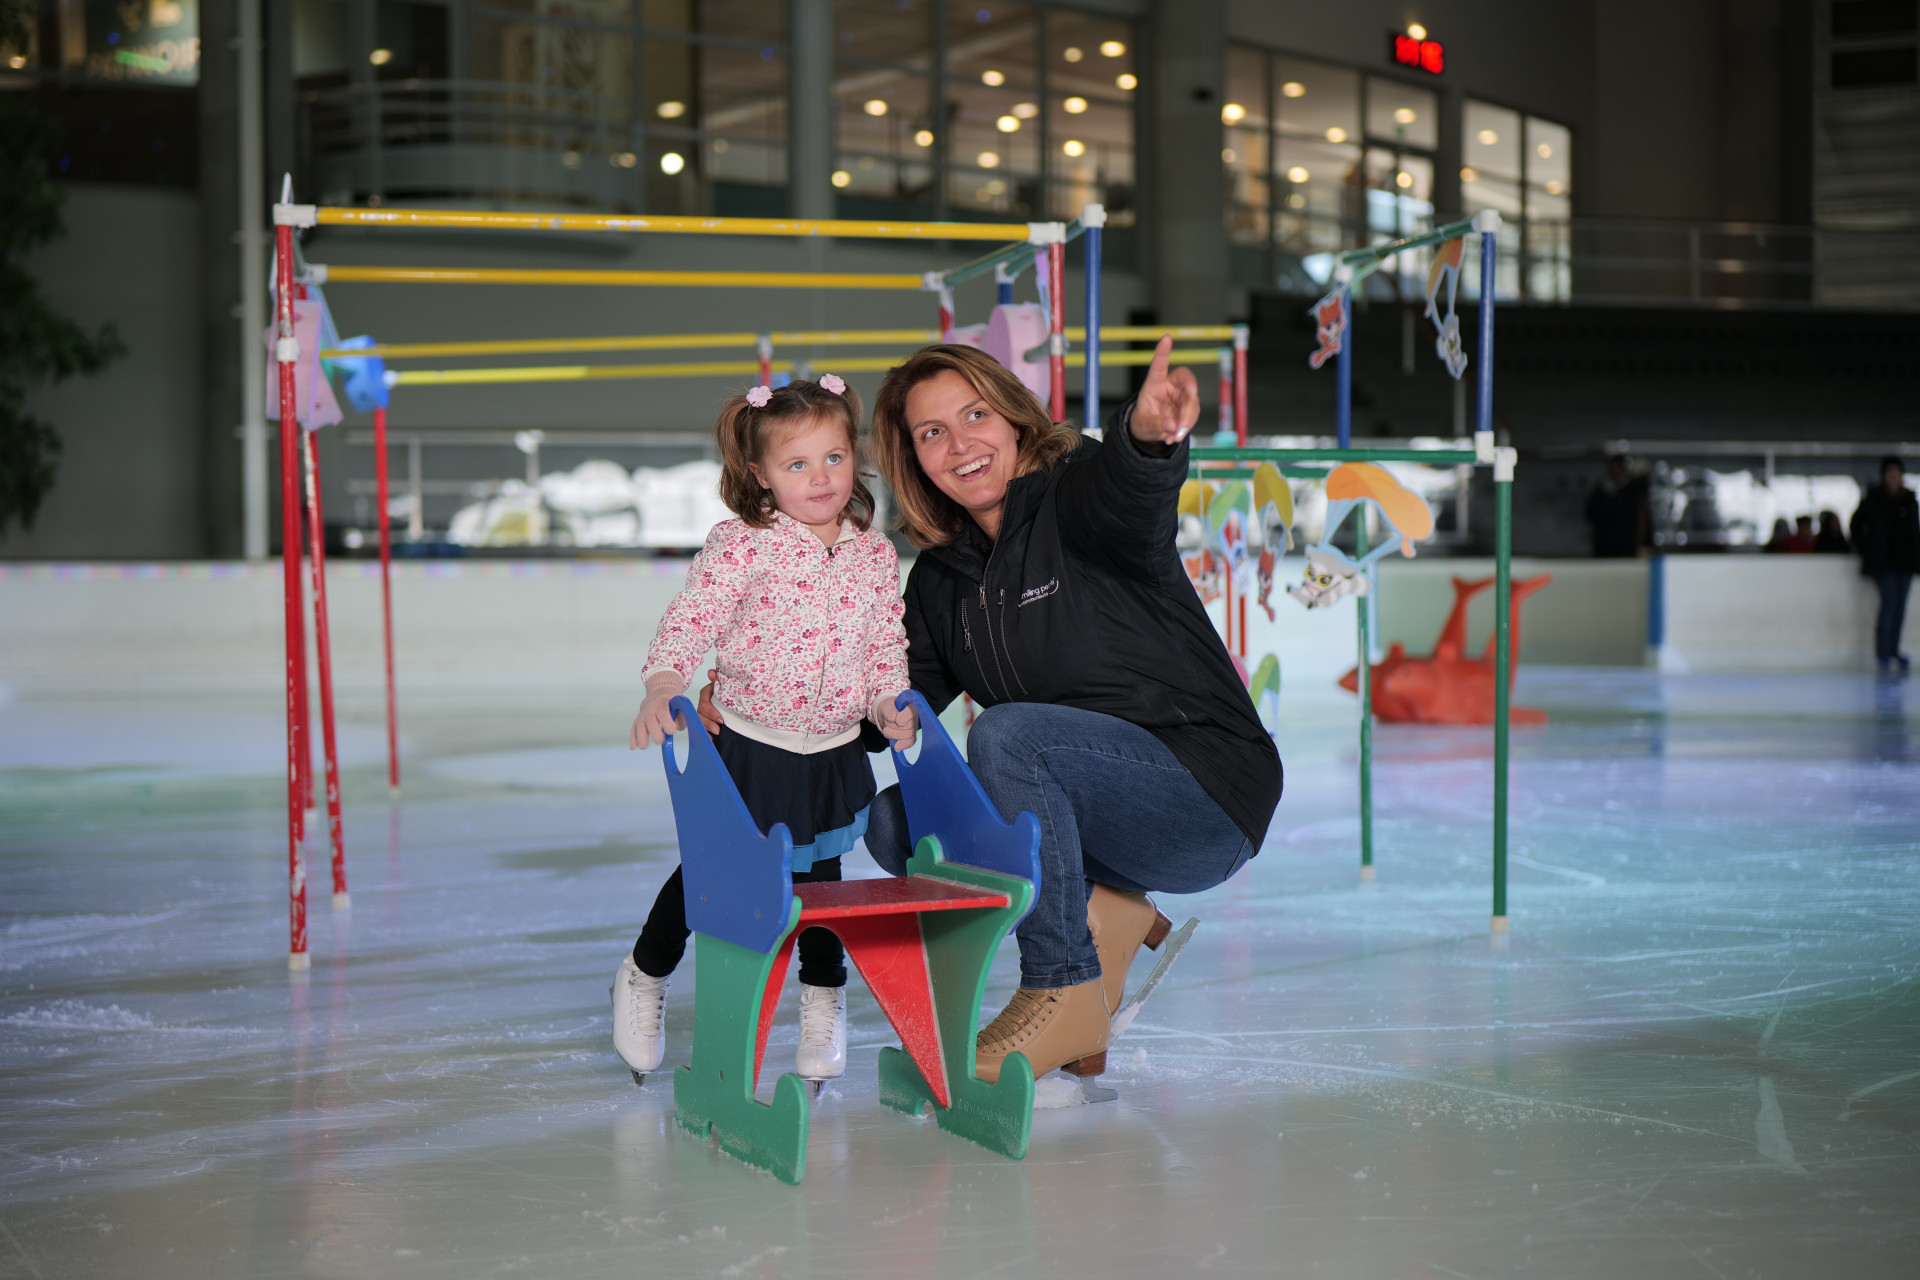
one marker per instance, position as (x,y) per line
(1048,588)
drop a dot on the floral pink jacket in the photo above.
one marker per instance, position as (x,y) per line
(808,638)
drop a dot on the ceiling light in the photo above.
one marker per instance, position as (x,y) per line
(841,178)
(1544,151)
(1074,106)
(1074,147)
(1336,134)
(1403,179)
(924,138)
(623,159)
(1417,31)
(1230,156)
(988,159)
(1112,49)
(1233,113)
(1073,53)
(992,79)
(1297,201)
(1007,124)
(671,110)
(1487,137)
(719,146)
(672,162)
(875,107)
(1293,89)
(1298,174)
(1405,115)
(1025,110)
(380,57)
(1554,187)
(1126,80)
(1469,174)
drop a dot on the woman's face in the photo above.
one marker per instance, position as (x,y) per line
(966,448)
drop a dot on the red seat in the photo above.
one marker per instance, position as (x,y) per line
(879,923)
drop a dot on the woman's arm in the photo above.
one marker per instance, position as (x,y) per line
(1121,507)
(926,665)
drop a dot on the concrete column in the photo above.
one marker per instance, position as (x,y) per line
(282,100)
(220,461)
(810,108)
(1185,74)
(1447,157)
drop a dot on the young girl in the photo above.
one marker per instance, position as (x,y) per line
(801,597)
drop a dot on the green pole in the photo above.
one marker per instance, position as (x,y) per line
(1365,689)
(1502,670)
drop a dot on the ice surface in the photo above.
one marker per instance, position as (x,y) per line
(1698,1053)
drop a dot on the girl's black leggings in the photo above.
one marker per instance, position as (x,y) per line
(663,940)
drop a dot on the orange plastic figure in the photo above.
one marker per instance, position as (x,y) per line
(1448,687)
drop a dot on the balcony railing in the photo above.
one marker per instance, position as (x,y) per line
(469,140)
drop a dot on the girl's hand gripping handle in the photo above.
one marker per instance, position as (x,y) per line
(899,722)
(657,721)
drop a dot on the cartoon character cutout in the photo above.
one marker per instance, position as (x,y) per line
(1331,574)
(1330,326)
(1445,269)
(1196,557)
(1273,510)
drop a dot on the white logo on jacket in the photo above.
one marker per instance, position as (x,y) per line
(1031,594)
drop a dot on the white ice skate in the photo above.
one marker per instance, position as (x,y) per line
(823,1035)
(639,1018)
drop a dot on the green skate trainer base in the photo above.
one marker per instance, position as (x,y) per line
(714,1092)
(960,947)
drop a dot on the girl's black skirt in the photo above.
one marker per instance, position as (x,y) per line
(816,795)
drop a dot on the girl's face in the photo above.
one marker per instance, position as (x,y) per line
(966,448)
(809,466)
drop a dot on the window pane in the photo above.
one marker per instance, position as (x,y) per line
(1549,159)
(899,31)
(1403,113)
(993,45)
(1089,56)
(1244,118)
(883,130)
(1321,194)
(1315,100)
(994,152)
(1093,158)
(742,102)
(1490,152)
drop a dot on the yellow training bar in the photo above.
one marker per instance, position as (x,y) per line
(688,279)
(723,368)
(1153,333)
(327,216)
(638,342)
(583,372)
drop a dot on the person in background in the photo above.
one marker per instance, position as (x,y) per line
(1886,533)
(1800,541)
(1618,510)
(1832,539)
(1777,540)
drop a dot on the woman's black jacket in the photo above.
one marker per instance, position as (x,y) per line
(1082,602)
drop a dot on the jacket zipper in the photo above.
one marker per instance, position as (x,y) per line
(1009,644)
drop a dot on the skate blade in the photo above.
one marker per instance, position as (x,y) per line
(1169,951)
(639,1078)
(1093,1092)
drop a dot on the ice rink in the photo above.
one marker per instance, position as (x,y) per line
(1697,1054)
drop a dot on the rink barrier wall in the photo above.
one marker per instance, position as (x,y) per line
(198,626)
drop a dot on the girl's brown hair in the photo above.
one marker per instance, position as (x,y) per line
(929,517)
(744,434)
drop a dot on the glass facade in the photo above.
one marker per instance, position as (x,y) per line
(1022,110)
(1522,166)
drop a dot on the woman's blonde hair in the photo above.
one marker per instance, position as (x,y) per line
(929,517)
(744,433)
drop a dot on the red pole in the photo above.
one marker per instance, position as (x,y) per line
(1226,393)
(1243,627)
(323,649)
(765,345)
(300,640)
(946,313)
(1057,295)
(1240,426)
(286,351)
(386,593)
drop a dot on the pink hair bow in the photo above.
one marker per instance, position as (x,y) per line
(834,383)
(759,396)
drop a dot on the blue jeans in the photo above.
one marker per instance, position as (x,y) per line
(1115,807)
(1893,613)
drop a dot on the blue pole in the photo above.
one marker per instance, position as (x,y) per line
(1483,419)
(1006,293)
(1343,371)
(1094,219)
